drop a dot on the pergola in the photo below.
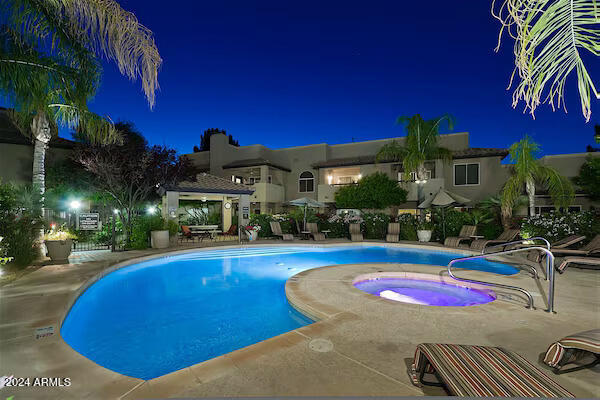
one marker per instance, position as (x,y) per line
(210,188)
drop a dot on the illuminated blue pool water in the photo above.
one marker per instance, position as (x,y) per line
(158,316)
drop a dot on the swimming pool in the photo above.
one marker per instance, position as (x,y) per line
(155,317)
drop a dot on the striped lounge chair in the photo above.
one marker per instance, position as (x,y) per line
(572,349)
(464,235)
(314,231)
(592,247)
(276,229)
(594,262)
(482,371)
(355,233)
(393,233)
(507,236)
(537,256)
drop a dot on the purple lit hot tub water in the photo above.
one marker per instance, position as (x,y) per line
(424,292)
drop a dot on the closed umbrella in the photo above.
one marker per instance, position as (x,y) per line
(443,199)
(306,202)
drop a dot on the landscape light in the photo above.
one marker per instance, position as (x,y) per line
(359,177)
(115,211)
(151,210)
(75,204)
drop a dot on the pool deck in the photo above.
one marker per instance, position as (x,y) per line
(362,344)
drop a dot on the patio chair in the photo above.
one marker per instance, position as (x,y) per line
(537,256)
(393,232)
(572,349)
(481,371)
(588,249)
(314,231)
(594,262)
(355,233)
(464,235)
(186,233)
(507,236)
(276,229)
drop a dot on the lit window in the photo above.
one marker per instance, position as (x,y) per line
(306,182)
(466,174)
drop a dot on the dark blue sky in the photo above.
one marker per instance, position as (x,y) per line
(293,73)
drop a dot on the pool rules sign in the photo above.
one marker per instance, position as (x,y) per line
(89,221)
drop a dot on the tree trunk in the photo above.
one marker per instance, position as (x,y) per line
(530,188)
(421,177)
(40,127)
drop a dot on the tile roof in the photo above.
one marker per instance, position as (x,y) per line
(254,162)
(206,183)
(457,154)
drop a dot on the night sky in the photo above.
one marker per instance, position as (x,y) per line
(285,73)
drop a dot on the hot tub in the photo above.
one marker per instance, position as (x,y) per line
(423,289)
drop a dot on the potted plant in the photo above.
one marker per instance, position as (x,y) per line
(59,244)
(252,232)
(424,229)
(159,232)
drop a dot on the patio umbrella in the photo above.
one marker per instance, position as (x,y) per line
(306,202)
(443,199)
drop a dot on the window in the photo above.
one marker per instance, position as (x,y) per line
(466,174)
(236,179)
(270,179)
(252,180)
(306,182)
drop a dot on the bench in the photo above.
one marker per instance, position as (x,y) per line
(477,371)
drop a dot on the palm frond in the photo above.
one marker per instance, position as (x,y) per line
(550,36)
(95,129)
(559,187)
(392,151)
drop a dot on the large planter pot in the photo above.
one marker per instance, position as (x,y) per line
(424,236)
(59,250)
(159,239)
(252,235)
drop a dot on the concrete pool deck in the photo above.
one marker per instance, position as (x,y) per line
(361,345)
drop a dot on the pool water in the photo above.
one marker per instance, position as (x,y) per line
(424,292)
(158,316)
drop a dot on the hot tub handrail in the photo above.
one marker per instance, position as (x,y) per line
(522,241)
(529,297)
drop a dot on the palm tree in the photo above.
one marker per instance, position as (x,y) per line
(526,172)
(422,137)
(49,65)
(552,39)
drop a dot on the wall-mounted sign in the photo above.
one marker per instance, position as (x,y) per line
(245,209)
(89,221)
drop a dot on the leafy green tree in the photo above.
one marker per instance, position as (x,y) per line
(589,177)
(49,65)
(205,139)
(526,172)
(376,191)
(422,137)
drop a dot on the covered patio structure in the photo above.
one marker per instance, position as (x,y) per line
(234,199)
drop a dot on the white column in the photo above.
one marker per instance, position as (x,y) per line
(244,210)
(172,205)
(226,212)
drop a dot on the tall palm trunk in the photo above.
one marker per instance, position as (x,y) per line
(40,128)
(530,188)
(421,177)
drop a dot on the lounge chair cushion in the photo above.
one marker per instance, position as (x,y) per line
(482,371)
(573,348)
(390,237)
(356,237)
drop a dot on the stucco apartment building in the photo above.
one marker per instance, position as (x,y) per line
(318,170)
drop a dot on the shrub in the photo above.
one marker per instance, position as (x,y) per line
(285,222)
(555,225)
(375,225)
(262,220)
(337,226)
(453,221)
(408,230)
(490,230)
(143,225)
(104,236)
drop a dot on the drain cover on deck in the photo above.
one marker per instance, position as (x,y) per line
(320,345)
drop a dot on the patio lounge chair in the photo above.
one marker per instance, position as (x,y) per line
(355,233)
(393,232)
(482,371)
(588,249)
(573,348)
(537,256)
(507,236)
(186,233)
(593,261)
(276,229)
(465,235)
(314,231)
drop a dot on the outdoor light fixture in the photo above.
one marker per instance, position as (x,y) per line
(151,210)
(329,179)
(115,211)
(359,177)
(75,204)
(203,198)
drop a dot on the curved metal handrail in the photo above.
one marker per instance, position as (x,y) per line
(529,297)
(522,241)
